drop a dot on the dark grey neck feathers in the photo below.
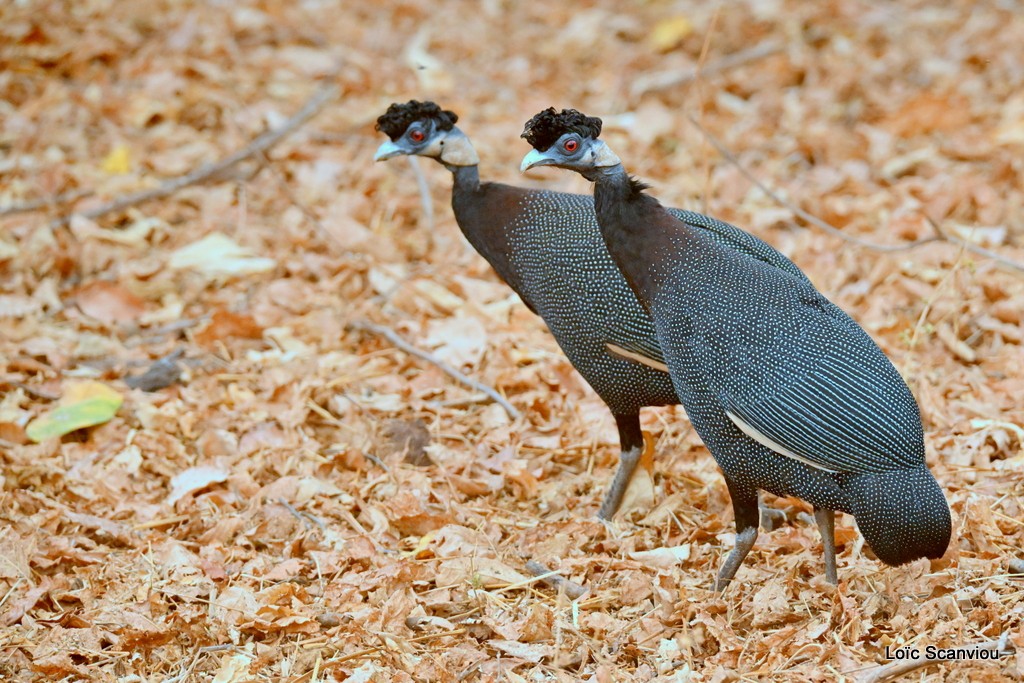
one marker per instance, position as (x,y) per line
(466,178)
(633,224)
(614,186)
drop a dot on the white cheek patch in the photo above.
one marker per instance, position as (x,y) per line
(456,150)
(769,443)
(434,149)
(604,156)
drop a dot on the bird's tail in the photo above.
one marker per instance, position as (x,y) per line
(903,514)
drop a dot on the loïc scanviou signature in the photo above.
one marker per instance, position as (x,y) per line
(939,654)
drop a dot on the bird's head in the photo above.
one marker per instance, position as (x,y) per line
(567,139)
(424,129)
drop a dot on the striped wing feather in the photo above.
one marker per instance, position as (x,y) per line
(837,419)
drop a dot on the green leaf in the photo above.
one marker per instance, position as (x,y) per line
(83,405)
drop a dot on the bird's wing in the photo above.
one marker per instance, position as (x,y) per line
(606,299)
(841,416)
(644,351)
(738,240)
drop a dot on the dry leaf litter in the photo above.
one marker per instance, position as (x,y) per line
(302,501)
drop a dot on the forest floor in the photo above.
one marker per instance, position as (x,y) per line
(305,501)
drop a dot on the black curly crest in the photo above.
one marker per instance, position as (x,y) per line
(398,117)
(544,129)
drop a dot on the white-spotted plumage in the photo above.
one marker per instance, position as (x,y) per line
(548,247)
(789,394)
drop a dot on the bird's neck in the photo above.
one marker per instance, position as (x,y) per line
(466,178)
(459,157)
(634,226)
(611,185)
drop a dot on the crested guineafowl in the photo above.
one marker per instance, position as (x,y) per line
(547,247)
(789,394)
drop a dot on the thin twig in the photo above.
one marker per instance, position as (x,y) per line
(161,374)
(225,648)
(572,590)
(360,654)
(699,91)
(303,517)
(295,513)
(458,402)
(31,391)
(11,590)
(662,80)
(137,336)
(888,672)
(946,279)
(975,249)
(397,340)
(45,202)
(175,326)
(940,235)
(306,211)
(377,461)
(186,671)
(319,99)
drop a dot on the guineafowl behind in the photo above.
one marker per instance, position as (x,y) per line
(548,248)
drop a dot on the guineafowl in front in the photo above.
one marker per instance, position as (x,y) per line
(547,247)
(789,394)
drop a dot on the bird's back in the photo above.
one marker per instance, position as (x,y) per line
(774,352)
(548,247)
(787,391)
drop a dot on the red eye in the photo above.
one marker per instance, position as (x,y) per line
(571,145)
(417,136)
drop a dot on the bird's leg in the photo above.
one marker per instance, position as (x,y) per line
(746,511)
(826,520)
(631,441)
(613,498)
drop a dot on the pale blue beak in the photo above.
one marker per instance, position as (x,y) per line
(388,150)
(535,158)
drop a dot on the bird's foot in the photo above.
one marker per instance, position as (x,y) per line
(744,542)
